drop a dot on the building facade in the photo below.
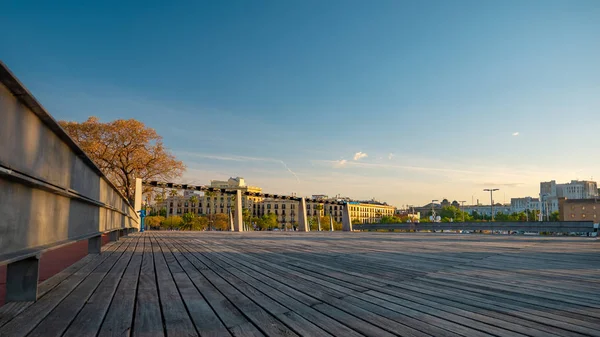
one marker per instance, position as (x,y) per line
(211,203)
(551,192)
(518,205)
(286,210)
(487,209)
(579,210)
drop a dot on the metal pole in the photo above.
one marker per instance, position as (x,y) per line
(492,203)
(491,190)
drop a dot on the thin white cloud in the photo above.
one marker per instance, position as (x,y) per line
(390,156)
(240,159)
(340,163)
(360,155)
(515,133)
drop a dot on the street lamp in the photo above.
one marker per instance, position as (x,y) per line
(491,190)
(432,210)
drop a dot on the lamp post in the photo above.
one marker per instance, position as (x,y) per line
(461,211)
(433,210)
(491,190)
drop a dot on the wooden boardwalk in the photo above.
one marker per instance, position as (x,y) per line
(321,284)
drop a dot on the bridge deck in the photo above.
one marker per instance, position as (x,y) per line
(317,284)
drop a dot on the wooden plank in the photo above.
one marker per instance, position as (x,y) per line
(257,315)
(34,314)
(148,320)
(206,321)
(177,320)
(60,318)
(295,322)
(118,320)
(406,311)
(227,312)
(330,299)
(275,289)
(89,319)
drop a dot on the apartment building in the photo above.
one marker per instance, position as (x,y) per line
(369,211)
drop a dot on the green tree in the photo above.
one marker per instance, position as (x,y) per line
(194,222)
(268,221)
(153,222)
(247,216)
(390,219)
(194,201)
(172,222)
(221,222)
(555,216)
(188,221)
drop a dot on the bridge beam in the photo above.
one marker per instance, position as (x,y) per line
(113,236)
(22,280)
(95,245)
(238,223)
(346,220)
(302,218)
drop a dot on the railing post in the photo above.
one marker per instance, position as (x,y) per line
(22,280)
(113,236)
(137,204)
(95,245)
(237,219)
(346,221)
(302,218)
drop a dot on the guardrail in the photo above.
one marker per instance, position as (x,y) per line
(543,226)
(51,193)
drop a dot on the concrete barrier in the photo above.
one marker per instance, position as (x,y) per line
(531,226)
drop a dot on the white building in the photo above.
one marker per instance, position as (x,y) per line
(550,192)
(518,205)
(487,209)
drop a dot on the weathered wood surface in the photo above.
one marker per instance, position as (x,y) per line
(321,284)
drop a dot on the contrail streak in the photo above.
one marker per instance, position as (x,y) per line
(292,172)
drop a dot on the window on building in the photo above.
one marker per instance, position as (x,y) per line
(292,206)
(283,206)
(276,206)
(269,206)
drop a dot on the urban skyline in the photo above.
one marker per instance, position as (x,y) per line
(404,102)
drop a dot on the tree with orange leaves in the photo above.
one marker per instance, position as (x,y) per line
(125,150)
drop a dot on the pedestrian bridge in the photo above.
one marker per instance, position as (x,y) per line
(320,284)
(257,283)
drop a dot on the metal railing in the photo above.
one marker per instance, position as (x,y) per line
(51,193)
(501,226)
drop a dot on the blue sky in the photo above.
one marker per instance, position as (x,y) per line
(397,100)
